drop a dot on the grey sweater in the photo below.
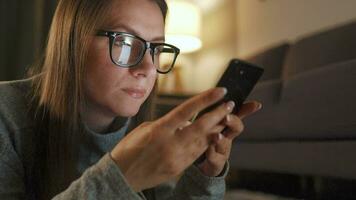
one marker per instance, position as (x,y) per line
(99,176)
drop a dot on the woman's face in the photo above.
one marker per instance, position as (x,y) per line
(116,91)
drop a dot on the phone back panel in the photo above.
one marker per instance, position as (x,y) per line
(239,79)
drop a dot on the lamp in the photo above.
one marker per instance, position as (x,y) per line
(183,25)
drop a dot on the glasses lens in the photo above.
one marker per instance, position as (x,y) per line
(164,56)
(127,50)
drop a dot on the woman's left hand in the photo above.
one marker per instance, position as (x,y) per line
(219,150)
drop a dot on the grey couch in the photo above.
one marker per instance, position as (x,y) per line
(308,122)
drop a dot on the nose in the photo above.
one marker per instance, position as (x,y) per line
(145,68)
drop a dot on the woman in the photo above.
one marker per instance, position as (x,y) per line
(80,127)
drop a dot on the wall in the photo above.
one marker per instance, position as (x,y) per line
(262,23)
(200,71)
(219,44)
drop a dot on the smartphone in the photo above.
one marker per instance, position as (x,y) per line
(239,79)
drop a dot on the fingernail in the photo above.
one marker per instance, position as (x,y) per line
(225,90)
(222,91)
(259,106)
(220,136)
(230,105)
(228,118)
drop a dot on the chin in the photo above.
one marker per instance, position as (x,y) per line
(127,107)
(127,112)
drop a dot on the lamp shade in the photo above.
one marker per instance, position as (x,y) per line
(183,25)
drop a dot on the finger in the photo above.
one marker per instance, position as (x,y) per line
(197,146)
(223,145)
(205,123)
(249,108)
(185,124)
(194,143)
(189,108)
(234,126)
(214,158)
(218,128)
(193,135)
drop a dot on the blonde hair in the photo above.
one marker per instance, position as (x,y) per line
(58,87)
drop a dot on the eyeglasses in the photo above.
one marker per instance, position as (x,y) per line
(127,50)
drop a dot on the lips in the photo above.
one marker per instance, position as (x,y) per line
(136,93)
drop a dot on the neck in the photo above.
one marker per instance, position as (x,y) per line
(95,119)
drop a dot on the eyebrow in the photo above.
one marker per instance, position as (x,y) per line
(131,30)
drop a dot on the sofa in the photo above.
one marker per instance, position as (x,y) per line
(307,125)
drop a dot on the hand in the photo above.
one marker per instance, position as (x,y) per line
(219,151)
(155,152)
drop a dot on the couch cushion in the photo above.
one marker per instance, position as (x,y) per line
(319,104)
(271,60)
(321,49)
(267,92)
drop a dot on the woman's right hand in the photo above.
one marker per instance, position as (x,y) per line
(157,151)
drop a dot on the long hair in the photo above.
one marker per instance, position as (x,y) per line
(57,91)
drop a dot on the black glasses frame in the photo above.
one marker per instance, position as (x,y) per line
(148,45)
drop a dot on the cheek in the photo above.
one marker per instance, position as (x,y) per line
(152,82)
(98,71)
(103,81)
(97,63)
(100,77)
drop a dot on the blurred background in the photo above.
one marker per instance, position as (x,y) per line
(300,146)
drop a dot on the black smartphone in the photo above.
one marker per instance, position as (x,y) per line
(239,79)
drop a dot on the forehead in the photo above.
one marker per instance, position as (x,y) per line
(141,17)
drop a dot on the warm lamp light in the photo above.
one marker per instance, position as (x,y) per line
(183,25)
